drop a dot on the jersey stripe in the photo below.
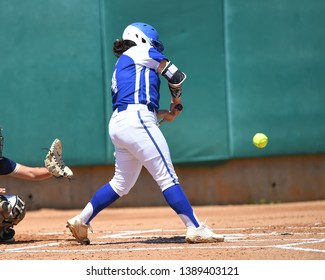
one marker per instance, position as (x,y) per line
(135,80)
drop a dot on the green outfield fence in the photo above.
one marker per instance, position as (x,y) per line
(252,66)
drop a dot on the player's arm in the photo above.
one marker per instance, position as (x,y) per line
(174,76)
(175,79)
(31,173)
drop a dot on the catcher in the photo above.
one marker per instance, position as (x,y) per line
(12,207)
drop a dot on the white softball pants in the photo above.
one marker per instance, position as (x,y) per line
(139,142)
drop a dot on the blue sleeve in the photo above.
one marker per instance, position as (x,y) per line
(7,166)
(154,54)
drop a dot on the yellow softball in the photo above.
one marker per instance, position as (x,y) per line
(260,140)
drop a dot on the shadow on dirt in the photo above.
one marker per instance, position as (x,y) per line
(138,240)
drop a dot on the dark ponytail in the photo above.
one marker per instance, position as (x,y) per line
(120,46)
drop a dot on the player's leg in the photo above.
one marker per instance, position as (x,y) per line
(155,157)
(197,232)
(157,160)
(127,170)
(177,200)
(80,223)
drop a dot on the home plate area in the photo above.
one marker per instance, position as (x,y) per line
(293,231)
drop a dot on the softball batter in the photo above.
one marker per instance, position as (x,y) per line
(133,129)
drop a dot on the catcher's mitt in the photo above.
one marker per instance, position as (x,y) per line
(54,162)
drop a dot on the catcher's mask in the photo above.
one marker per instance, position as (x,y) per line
(143,33)
(12,209)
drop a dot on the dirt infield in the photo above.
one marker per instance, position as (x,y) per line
(290,231)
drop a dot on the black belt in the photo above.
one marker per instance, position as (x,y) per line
(123,107)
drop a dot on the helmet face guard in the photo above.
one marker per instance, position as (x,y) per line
(143,33)
(158,45)
(12,209)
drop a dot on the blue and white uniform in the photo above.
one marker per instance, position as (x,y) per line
(137,139)
(133,129)
(135,78)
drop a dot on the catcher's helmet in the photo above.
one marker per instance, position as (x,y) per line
(12,209)
(143,33)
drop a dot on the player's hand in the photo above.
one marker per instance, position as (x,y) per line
(175,110)
(170,116)
(166,115)
(2,190)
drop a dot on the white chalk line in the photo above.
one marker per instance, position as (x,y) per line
(126,232)
(165,248)
(31,247)
(231,238)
